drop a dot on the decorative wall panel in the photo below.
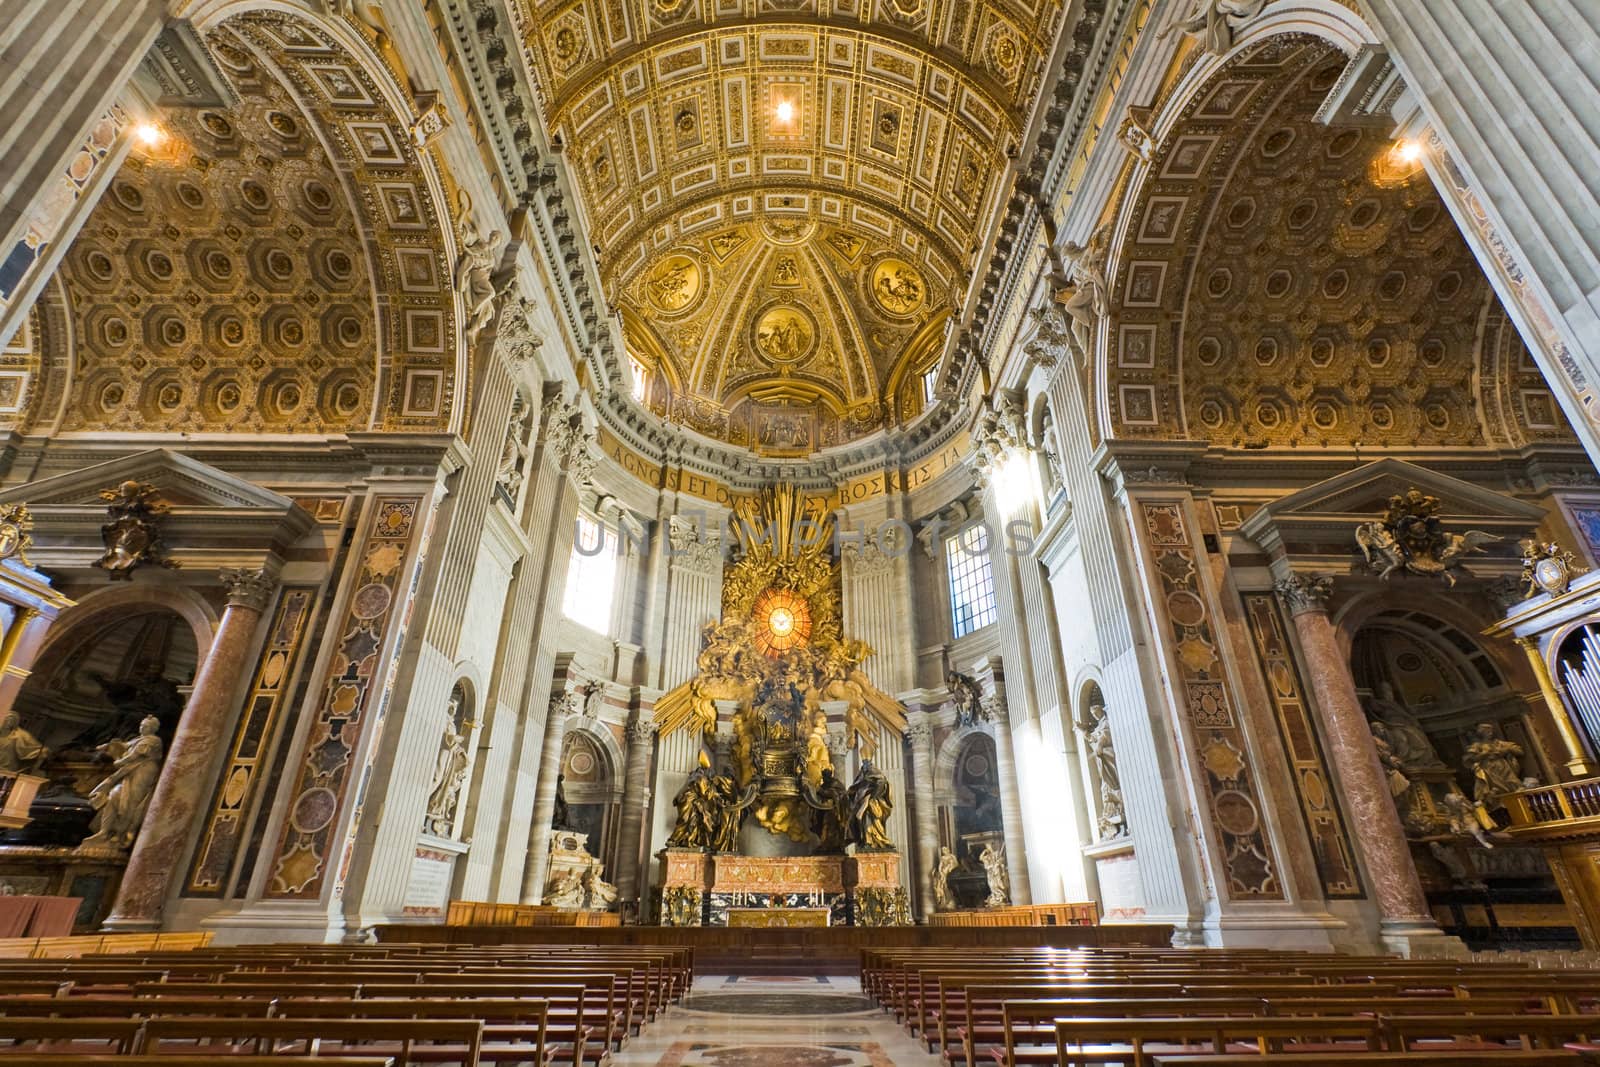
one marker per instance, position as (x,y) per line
(351,697)
(1336,864)
(1215,736)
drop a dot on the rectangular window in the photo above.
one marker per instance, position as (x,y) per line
(639,379)
(930,383)
(966,557)
(591,576)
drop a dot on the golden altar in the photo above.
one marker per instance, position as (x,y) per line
(708,888)
(777,918)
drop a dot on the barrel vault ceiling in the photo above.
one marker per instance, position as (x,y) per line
(787,196)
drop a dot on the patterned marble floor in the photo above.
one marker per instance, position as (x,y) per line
(774,1021)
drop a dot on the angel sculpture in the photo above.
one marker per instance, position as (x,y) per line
(1086,303)
(1215,22)
(1411,537)
(843,679)
(474,273)
(725,672)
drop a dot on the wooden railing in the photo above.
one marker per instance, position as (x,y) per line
(485,913)
(1084,914)
(1555,803)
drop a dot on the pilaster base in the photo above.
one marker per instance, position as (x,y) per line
(1420,939)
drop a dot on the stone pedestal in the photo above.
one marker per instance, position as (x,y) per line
(433,870)
(16,797)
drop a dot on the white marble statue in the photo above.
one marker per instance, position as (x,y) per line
(944,899)
(449,773)
(121,798)
(993,858)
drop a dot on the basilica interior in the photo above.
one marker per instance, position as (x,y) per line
(1111,475)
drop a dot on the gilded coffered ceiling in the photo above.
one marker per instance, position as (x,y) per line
(787,196)
(275,266)
(1290,283)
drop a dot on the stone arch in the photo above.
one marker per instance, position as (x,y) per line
(591,764)
(1279,281)
(310,295)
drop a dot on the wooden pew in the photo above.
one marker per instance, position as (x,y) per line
(1085,1041)
(69,1035)
(408,1041)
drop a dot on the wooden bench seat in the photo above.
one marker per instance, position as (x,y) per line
(408,1041)
(91,1035)
(1085,1041)
(1510,1058)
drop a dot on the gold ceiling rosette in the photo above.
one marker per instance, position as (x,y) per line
(779,655)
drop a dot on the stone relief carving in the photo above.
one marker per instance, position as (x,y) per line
(966,697)
(133,536)
(515,335)
(123,795)
(594,698)
(998,432)
(474,272)
(1304,592)
(1086,300)
(1052,336)
(16,537)
(1097,739)
(697,546)
(1215,23)
(1547,568)
(1410,537)
(512,471)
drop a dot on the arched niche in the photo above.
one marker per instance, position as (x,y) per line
(591,785)
(967,796)
(108,664)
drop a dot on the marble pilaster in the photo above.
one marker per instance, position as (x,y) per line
(1402,907)
(1005,765)
(186,774)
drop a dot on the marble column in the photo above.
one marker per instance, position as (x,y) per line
(544,801)
(1578,763)
(1402,907)
(919,734)
(186,774)
(641,735)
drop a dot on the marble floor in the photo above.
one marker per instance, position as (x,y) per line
(774,1021)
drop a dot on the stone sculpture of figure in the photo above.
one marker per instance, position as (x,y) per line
(944,899)
(599,894)
(1461,818)
(20,751)
(1087,303)
(966,697)
(449,772)
(561,818)
(564,891)
(1113,823)
(121,798)
(474,280)
(1393,768)
(832,803)
(870,805)
(1496,767)
(993,858)
(594,698)
(1408,740)
(697,805)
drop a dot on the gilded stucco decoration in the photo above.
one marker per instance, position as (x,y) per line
(1279,286)
(787,197)
(228,283)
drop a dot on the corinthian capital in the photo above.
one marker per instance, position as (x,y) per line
(1301,593)
(247,589)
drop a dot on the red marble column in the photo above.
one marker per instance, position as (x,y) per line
(175,804)
(1402,907)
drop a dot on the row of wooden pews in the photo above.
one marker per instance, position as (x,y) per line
(388,1005)
(1046,1007)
